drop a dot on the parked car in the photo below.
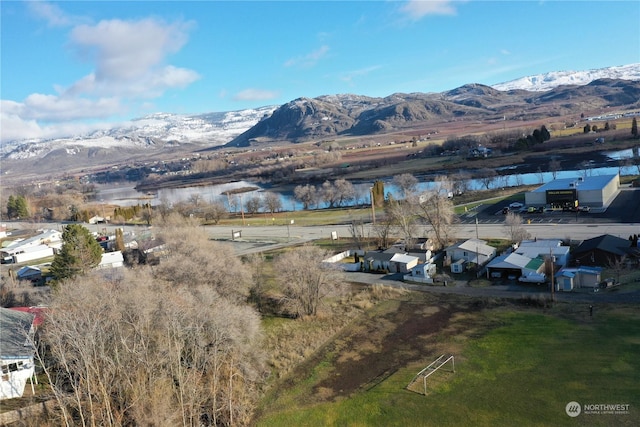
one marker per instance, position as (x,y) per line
(516,205)
(505,210)
(584,208)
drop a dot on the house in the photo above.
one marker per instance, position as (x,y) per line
(45,239)
(604,250)
(403,263)
(111,260)
(29,272)
(545,248)
(377,261)
(473,250)
(459,266)
(568,279)
(421,273)
(16,352)
(514,266)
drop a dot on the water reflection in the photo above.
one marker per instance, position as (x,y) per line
(128,196)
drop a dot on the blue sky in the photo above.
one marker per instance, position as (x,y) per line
(70,66)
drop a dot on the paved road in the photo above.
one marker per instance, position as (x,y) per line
(262,238)
(514,291)
(257,238)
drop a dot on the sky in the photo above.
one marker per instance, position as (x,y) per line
(72,66)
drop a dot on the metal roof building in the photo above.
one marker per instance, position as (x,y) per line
(594,191)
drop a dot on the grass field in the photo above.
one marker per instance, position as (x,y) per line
(514,367)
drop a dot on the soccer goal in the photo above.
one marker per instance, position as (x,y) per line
(429,370)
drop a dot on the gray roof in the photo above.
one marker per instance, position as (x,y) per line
(596,182)
(512,260)
(14,333)
(379,256)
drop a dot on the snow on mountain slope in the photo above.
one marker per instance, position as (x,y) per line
(155,130)
(216,129)
(547,81)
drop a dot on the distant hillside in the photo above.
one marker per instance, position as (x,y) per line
(329,116)
(548,81)
(546,95)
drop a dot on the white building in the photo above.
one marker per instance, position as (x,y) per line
(545,248)
(16,352)
(592,191)
(473,250)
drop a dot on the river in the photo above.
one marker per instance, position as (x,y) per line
(126,195)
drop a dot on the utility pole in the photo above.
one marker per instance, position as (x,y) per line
(373,207)
(477,227)
(552,259)
(241,208)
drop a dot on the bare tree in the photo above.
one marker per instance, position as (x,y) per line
(460,182)
(140,351)
(515,229)
(402,214)
(214,212)
(345,192)
(554,167)
(253,204)
(197,260)
(272,202)
(305,194)
(329,194)
(382,229)
(407,184)
(356,229)
(436,210)
(518,179)
(306,280)
(618,266)
(487,177)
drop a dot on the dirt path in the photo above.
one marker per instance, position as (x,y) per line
(380,349)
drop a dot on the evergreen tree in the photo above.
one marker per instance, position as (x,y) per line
(80,253)
(545,133)
(17,207)
(587,128)
(634,128)
(537,137)
(378,193)
(119,240)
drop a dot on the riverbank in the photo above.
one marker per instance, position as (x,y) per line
(565,155)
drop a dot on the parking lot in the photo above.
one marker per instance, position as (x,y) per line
(625,208)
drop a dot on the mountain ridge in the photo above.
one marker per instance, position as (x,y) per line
(331,115)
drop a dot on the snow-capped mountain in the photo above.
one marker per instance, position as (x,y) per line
(160,129)
(335,113)
(548,81)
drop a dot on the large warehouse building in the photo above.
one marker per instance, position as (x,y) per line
(593,191)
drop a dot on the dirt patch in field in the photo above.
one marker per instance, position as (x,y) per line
(380,345)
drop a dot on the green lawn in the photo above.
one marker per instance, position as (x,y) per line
(521,371)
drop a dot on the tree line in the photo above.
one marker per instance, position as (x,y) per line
(177,343)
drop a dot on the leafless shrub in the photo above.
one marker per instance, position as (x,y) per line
(146,352)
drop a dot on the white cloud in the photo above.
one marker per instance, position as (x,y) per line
(417,9)
(14,127)
(255,95)
(52,13)
(128,50)
(308,60)
(59,108)
(130,66)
